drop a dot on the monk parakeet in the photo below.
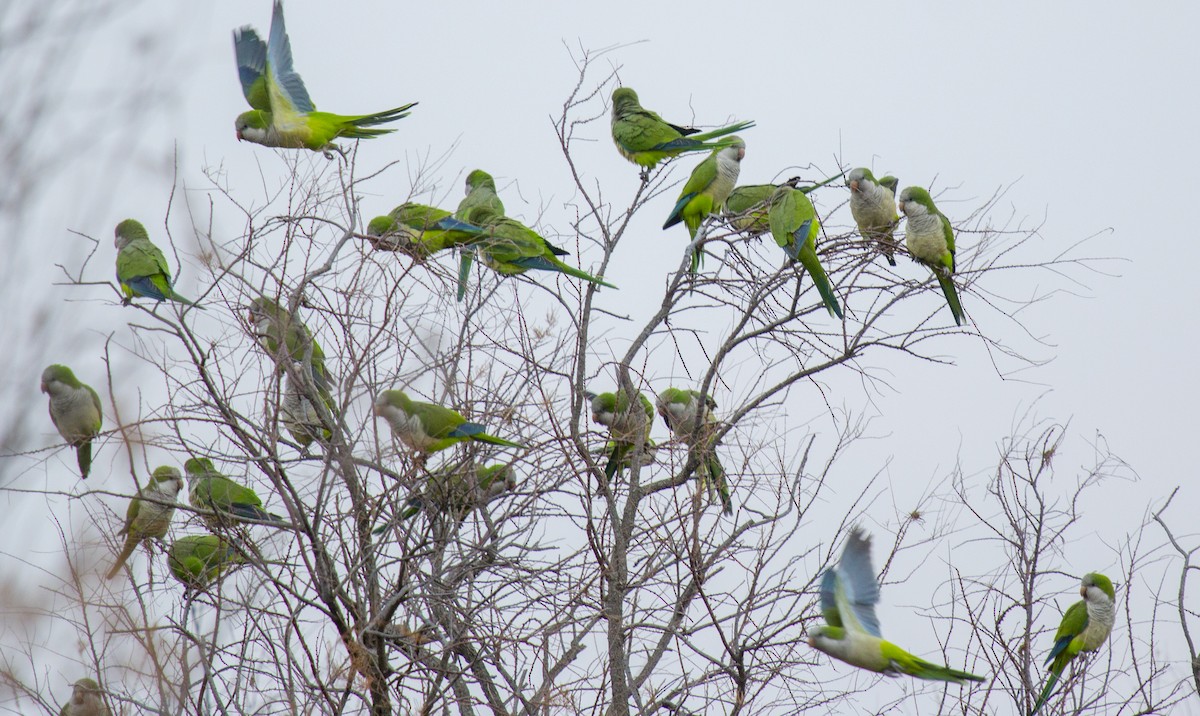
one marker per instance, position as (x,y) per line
(149,514)
(75,411)
(873,206)
(428,428)
(688,414)
(198,560)
(285,337)
(210,490)
(87,699)
(1085,627)
(419,231)
(795,226)
(706,190)
(283,114)
(509,248)
(930,239)
(645,139)
(297,412)
(748,205)
(458,490)
(849,594)
(627,428)
(141,267)
(481,204)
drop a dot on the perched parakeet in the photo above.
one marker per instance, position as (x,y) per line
(227,500)
(645,139)
(706,190)
(688,414)
(428,428)
(1085,627)
(481,204)
(930,239)
(87,699)
(198,560)
(849,594)
(795,226)
(141,267)
(748,205)
(283,114)
(75,411)
(419,231)
(149,514)
(457,490)
(278,331)
(873,206)
(299,414)
(627,428)
(510,248)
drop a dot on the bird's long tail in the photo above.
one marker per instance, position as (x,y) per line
(130,544)
(808,259)
(475,431)
(360,122)
(548,263)
(714,477)
(464,271)
(253,512)
(83,455)
(699,142)
(617,459)
(936,672)
(1047,689)
(947,284)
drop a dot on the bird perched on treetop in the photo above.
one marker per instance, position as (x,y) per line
(688,414)
(873,206)
(645,139)
(149,514)
(428,428)
(141,267)
(930,239)
(75,411)
(1085,627)
(706,190)
(87,699)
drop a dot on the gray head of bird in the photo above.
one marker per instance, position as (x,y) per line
(1094,584)
(856,176)
(127,232)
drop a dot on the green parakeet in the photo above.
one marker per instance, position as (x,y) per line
(930,239)
(87,699)
(510,248)
(419,231)
(748,205)
(198,560)
(1085,627)
(873,206)
(481,204)
(795,226)
(283,114)
(627,427)
(706,190)
(428,428)
(645,139)
(227,500)
(688,414)
(149,514)
(297,412)
(278,331)
(457,490)
(141,267)
(849,594)
(75,411)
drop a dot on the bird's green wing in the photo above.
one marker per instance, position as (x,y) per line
(141,258)
(702,177)
(1074,621)
(251,54)
(948,232)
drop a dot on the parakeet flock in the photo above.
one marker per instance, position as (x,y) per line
(284,116)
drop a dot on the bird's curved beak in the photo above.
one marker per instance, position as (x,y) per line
(239,135)
(854,186)
(45,388)
(1083,591)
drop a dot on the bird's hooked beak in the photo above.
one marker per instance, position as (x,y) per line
(1083,591)
(854,186)
(45,387)
(239,135)
(741,153)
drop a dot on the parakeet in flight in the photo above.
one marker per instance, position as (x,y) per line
(427,428)
(873,206)
(706,190)
(87,699)
(419,231)
(75,411)
(509,248)
(628,428)
(795,226)
(645,139)
(480,205)
(1085,627)
(285,337)
(688,414)
(198,560)
(849,594)
(141,267)
(930,239)
(283,114)
(149,514)
(457,490)
(227,500)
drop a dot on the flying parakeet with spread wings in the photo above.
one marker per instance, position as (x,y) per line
(141,267)
(873,206)
(419,231)
(510,248)
(688,414)
(748,205)
(706,190)
(285,337)
(227,500)
(149,514)
(198,560)
(283,114)
(457,490)
(930,239)
(428,428)
(87,699)
(645,139)
(849,594)
(1085,627)
(75,411)
(795,226)
(480,205)
(628,428)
